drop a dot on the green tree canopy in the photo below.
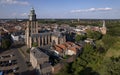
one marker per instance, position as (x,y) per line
(34,44)
(111,66)
(88,71)
(80,38)
(108,41)
(6,43)
(94,35)
(83,60)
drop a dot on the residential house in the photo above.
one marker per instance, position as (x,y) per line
(67,48)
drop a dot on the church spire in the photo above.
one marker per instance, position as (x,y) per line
(32,15)
(104,24)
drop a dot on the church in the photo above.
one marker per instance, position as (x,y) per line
(41,39)
(103,29)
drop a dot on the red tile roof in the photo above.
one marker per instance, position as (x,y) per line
(62,46)
(66,46)
(58,49)
(73,49)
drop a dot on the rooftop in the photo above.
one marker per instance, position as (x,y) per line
(41,34)
(65,46)
(45,65)
(38,53)
(58,34)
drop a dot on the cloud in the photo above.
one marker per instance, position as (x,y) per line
(91,10)
(14,2)
(23,14)
(14,14)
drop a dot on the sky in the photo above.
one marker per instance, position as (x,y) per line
(55,9)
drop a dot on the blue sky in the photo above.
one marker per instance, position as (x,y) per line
(84,9)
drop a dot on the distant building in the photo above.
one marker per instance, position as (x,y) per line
(41,39)
(18,36)
(103,29)
(15,37)
(80,29)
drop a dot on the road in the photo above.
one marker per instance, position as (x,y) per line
(21,62)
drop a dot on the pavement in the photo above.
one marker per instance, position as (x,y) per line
(21,58)
(21,62)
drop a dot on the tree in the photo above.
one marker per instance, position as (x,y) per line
(34,44)
(80,38)
(88,71)
(28,50)
(84,59)
(6,43)
(78,65)
(65,71)
(108,41)
(99,46)
(88,48)
(111,66)
(88,53)
(94,35)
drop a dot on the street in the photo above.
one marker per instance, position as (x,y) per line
(21,62)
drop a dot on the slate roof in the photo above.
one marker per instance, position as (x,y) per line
(45,65)
(58,34)
(38,53)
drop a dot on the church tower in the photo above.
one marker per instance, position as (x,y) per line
(32,15)
(32,27)
(103,28)
(104,24)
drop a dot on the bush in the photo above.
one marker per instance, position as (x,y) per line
(28,50)
(6,43)
(80,38)
(35,44)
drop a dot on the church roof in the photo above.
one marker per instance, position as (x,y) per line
(40,34)
(38,54)
(47,34)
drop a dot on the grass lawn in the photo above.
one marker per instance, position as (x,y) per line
(115,50)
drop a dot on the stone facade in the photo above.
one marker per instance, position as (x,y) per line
(37,57)
(41,39)
(40,62)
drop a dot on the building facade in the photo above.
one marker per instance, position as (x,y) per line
(40,62)
(41,39)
